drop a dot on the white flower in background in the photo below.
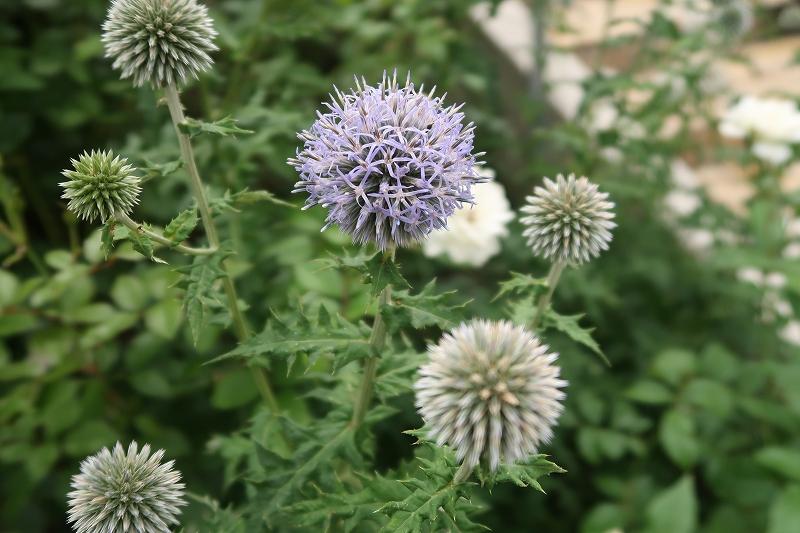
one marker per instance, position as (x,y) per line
(474,232)
(682,203)
(773,124)
(776,280)
(696,240)
(792,228)
(792,251)
(791,332)
(777,305)
(683,176)
(750,275)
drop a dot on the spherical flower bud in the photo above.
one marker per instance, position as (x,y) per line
(159,41)
(99,185)
(390,163)
(121,492)
(568,220)
(491,391)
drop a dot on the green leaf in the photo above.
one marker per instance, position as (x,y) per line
(521,284)
(164,318)
(649,392)
(234,390)
(783,461)
(674,365)
(89,437)
(427,308)
(527,474)
(315,336)
(180,227)
(284,478)
(231,202)
(198,281)
(224,127)
(161,170)
(377,269)
(784,515)
(673,510)
(677,435)
(143,245)
(568,324)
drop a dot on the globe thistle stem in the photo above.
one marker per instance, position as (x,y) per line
(199,192)
(160,239)
(544,301)
(377,341)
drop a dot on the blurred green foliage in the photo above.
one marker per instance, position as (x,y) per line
(694,427)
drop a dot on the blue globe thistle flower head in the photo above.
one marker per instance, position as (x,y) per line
(391,163)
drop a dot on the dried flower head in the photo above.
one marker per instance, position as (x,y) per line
(159,41)
(568,220)
(490,390)
(99,185)
(120,491)
(390,163)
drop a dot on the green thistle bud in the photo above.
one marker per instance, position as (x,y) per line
(159,41)
(569,220)
(125,492)
(99,185)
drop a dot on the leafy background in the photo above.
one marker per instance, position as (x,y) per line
(694,427)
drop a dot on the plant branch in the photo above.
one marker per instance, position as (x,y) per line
(544,301)
(199,192)
(377,341)
(135,226)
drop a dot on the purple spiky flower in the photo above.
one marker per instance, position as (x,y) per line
(390,163)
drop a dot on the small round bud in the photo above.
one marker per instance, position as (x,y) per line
(391,163)
(99,185)
(119,491)
(490,390)
(159,41)
(568,220)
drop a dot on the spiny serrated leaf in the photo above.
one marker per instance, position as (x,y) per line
(250,197)
(160,170)
(525,474)
(568,324)
(434,502)
(144,245)
(224,127)
(282,479)
(231,202)
(180,227)
(520,284)
(315,336)
(427,308)
(378,270)
(199,278)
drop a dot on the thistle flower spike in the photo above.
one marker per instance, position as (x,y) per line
(569,220)
(120,492)
(100,184)
(491,391)
(389,163)
(163,42)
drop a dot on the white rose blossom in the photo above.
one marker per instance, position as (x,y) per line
(474,232)
(773,124)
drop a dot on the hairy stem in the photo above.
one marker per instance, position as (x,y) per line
(160,239)
(377,341)
(199,192)
(544,301)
